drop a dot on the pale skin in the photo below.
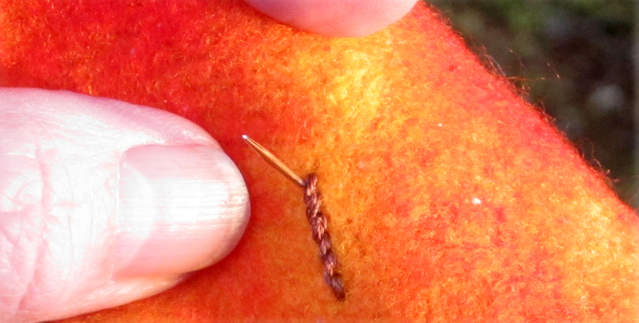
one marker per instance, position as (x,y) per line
(75,173)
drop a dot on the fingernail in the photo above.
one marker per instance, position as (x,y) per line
(181,208)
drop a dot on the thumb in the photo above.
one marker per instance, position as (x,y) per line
(104,202)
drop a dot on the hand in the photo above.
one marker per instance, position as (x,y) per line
(104,202)
(94,212)
(336,17)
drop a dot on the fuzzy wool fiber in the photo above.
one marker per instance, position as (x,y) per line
(449,197)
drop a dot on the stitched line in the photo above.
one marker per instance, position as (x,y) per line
(319,225)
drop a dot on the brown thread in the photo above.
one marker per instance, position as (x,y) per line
(319,225)
(317,220)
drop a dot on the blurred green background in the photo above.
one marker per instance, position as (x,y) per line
(573,59)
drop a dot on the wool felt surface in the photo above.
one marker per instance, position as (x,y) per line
(449,197)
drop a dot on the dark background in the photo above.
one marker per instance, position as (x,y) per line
(573,59)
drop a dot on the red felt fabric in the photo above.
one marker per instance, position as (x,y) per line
(449,197)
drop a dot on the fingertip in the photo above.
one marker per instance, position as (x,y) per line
(110,202)
(181,208)
(345,18)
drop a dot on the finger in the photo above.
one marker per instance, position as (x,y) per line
(336,17)
(104,202)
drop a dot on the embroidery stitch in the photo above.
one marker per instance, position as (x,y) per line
(317,220)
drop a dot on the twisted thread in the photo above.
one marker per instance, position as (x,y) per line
(319,225)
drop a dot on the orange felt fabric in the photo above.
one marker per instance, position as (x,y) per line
(449,197)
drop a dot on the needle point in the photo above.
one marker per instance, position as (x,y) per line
(274,161)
